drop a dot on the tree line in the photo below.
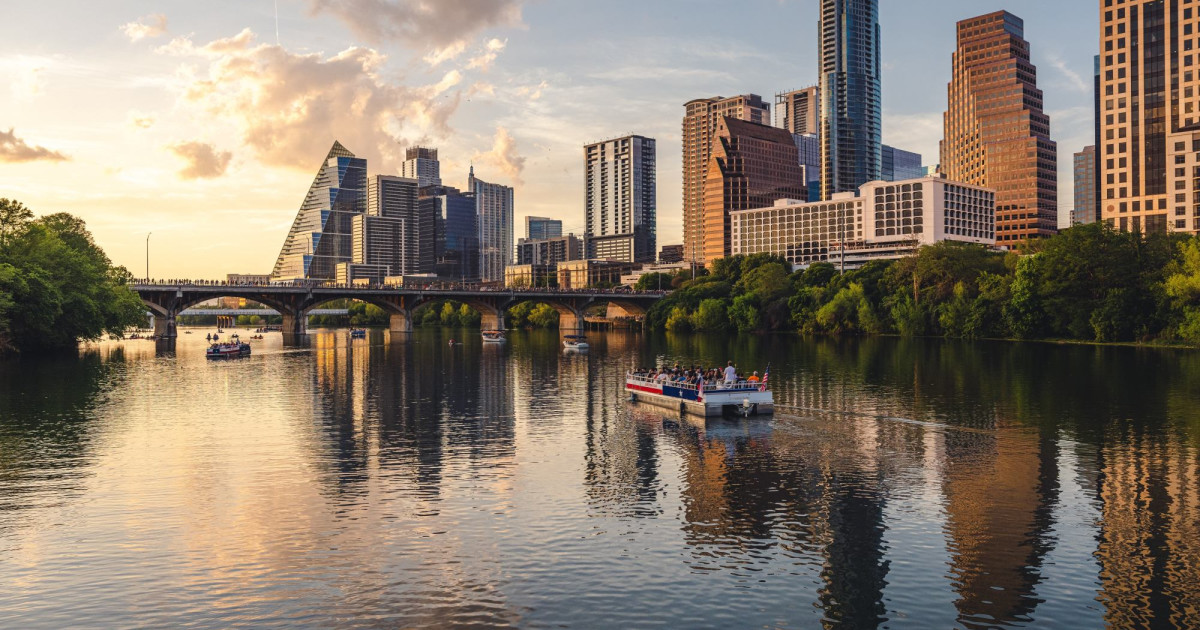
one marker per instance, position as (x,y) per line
(57,286)
(1088,283)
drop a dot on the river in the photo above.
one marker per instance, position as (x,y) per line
(362,483)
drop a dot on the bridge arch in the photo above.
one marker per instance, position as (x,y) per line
(491,313)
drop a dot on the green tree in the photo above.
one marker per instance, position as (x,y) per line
(744,313)
(768,281)
(468,316)
(711,316)
(450,315)
(544,316)
(678,320)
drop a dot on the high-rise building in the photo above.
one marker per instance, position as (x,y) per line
(549,251)
(320,236)
(851,101)
(809,147)
(799,111)
(537,228)
(699,125)
(380,242)
(897,164)
(996,134)
(620,202)
(1150,86)
(494,212)
(752,166)
(421,164)
(456,247)
(394,197)
(1086,203)
(670,254)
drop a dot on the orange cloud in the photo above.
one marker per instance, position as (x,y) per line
(202,160)
(503,156)
(150,26)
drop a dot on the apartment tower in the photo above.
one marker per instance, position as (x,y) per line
(421,164)
(850,68)
(620,202)
(699,124)
(1150,127)
(996,134)
(1085,187)
(799,111)
(752,166)
(538,228)
(494,212)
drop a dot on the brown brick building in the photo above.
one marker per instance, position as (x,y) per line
(996,134)
(752,166)
(699,125)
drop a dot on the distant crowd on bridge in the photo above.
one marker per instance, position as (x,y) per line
(432,286)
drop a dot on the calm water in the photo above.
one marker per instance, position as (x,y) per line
(904,484)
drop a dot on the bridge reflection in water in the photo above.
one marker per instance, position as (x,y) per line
(295,303)
(937,484)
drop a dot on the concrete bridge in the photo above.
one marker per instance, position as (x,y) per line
(296,302)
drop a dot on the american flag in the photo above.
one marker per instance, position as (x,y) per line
(766,375)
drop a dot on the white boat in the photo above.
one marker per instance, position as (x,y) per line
(493,336)
(575,342)
(744,398)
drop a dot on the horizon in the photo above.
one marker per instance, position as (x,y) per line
(206,125)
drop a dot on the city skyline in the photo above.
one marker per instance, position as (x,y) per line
(163,147)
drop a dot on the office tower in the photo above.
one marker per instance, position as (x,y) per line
(537,228)
(809,148)
(549,251)
(1151,115)
(699,124)
(799,111)
(320,235)
(996,134)
(396,197)
(494,212)
(620,202)
(379,243)
(671,254)
(752,166)
(456,248)
(897,165)
(884,221)
(850,94)
(1085,187)
(421,164)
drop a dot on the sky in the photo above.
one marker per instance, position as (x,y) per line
(204,123)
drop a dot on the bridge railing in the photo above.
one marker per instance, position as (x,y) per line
(443,287)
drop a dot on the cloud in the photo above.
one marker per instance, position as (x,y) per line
(289,108)
(1074,80)
(14,149)
(147,27)
(441,26)
(140,120)
(203,161)
(532,92)
(491,50)
(503,156)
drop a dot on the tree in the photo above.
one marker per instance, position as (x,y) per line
(769,282)
(744,314)
(711,316)
(544,316)
(679,320)
(468,316)
(450,315)
(14,218)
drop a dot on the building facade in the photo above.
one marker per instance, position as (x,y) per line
(381,241)
(549,251)
(494,212)
(581,274)
(752,165)
(996,134)
(537,228)
(421,164)
(886,220)
(394,197)
(1086,202)
(1150,106)
(898,165)
(319,238)
(809,148)
(799,111)
(621,199)
(671,254)
(699,125)
(851,99)
(456,229)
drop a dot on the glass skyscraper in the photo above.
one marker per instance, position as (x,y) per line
(320,237)
(850,71)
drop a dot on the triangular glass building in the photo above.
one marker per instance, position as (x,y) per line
(320,237)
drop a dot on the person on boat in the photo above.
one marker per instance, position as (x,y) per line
(754,378)
(731,376)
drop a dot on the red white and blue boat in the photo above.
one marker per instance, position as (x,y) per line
(745,397)
(235,348)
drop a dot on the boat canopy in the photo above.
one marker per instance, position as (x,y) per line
(574,336)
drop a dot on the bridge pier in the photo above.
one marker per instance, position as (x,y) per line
(400,322)
(570,321)
(164,325)
(492,320)
(295,327)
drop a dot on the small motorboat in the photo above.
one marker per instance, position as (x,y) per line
(575,342)
(358,333)
(493,336)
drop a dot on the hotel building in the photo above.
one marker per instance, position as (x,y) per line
(886,220)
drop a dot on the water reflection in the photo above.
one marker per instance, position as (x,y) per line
(372,482)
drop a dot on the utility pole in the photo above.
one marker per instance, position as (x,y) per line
(148,255)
